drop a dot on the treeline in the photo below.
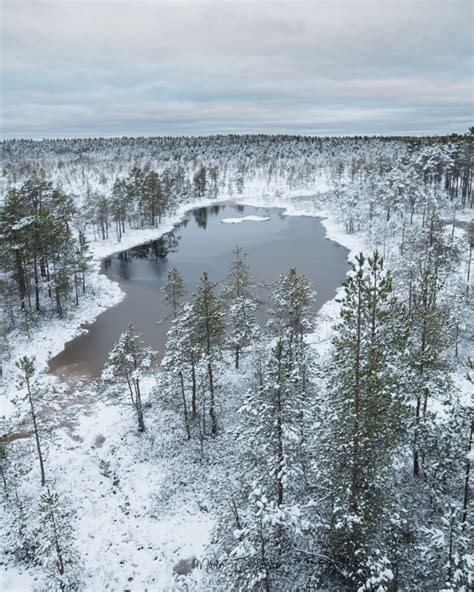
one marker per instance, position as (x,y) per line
(45,262)
(234,163)
(189,148)
(143,197)
(44,251)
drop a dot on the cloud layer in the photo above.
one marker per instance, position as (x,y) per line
(112,67)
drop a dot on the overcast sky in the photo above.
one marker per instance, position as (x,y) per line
(115,67)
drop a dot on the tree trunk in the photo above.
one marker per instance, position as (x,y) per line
(139,407)
(212,410)
(185,407)
(194,388)
(35,425)
(37,295)
(20,278)
(416,454)
(355,434)
(59,555)
(58,303)
(465,503)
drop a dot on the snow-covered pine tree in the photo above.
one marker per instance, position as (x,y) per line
(209,331)
(178,366)
(16,514)
(367,416)
(118,206)
(27,369)
(444,538)
(36,243)
(269,473)
(56,550)
(429,256)
(174,290)
(82,260)
(200,181)
(130,360)
(239,295)
(291,315)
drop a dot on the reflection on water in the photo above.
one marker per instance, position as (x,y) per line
(202,243)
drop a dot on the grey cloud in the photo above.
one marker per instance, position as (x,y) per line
(353,66)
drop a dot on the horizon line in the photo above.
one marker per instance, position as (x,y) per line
(236,134)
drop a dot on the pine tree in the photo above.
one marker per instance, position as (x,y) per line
(200,181)
(239,294)
(82,260)
(209,330)
(367,413)
(430,257)
(291,314)
(56,550)
(130,359)
(270,472)
(152,198)
(37,246)
(174,290)
(27,368)
(19,524)
(441,498)
(118,206)
(179,366)
(14,223)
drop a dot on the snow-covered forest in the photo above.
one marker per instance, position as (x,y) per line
(328,451)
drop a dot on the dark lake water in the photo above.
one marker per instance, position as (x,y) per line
(202,243)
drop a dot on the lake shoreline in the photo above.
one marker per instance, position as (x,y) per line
(50,339)
(201,242)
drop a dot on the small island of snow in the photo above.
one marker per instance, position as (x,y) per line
(245,219)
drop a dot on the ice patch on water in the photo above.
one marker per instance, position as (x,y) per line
(245,219)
